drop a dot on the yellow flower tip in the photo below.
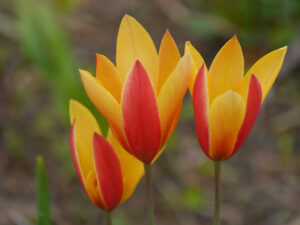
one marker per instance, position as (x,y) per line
(284,49)
(83,73)
(128,18)
(187,43)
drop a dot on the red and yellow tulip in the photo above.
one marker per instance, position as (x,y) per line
(226,103)
(141,96)
(108,174)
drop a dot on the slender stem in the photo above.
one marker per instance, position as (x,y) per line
(108,218)
(217,192)
(149,193)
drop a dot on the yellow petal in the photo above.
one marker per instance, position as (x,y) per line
(85,126)
(168,59)
(134,43)
(227,69)
(226,116)
(172,94)
(197,62)
(104,102)
(132,169)
(107,74)
(266,70)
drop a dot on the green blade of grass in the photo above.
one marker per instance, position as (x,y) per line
(43,199)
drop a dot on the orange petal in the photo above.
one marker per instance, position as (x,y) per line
(134,43)
(266,70)
(226,116)
(227,69)
(140,114)
(105,103)
(168,59)
(108,172)
(197,62)
(132,168)
(107,74)
(172,93)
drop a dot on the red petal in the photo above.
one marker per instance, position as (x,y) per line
(140,114)
(75,156)
(252,110)
(200,103)
(108,171)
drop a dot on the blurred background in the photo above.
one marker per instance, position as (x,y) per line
(43,43)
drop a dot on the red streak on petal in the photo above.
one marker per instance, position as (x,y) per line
(108,171)
(201,104)
(140,114)
(252,110)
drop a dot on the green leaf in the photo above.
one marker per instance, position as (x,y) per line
(43,199)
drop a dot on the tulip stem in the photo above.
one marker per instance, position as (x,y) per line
(149,193)
(217,193)
(108,218)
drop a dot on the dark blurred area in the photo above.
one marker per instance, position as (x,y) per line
(43,43)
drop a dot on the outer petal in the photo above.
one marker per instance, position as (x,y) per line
(226,114)
(107,74)
(140,114)
(81,150)
(171,95)
(74,154)
(252,110)
(227,69)
(266,70)
(86,125)
(132,168)
(105,103)
(108,172)
(168,59)
(197,62)
(134,43)
(201,110)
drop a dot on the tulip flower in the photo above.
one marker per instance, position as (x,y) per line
(107,173)
(141,96)
(226,103)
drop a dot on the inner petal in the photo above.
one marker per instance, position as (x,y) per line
(226,116)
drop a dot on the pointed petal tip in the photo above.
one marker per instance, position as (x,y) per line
(187,43)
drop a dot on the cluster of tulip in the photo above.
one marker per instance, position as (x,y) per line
(141,99)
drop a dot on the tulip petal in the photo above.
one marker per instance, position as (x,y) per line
(132,168)
(94,191)
(140,114)
(134,43)
(108,172)
(105,103)
(172,93)
(201,109)
(168,59)
(266,70)
(227,69)
(107,74)
(81,149)
(226,116)
(197,62)
(252,109)
(85,127)
(74,154)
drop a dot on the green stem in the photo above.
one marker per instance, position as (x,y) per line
(108,218)
(149,193)
(217,192)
